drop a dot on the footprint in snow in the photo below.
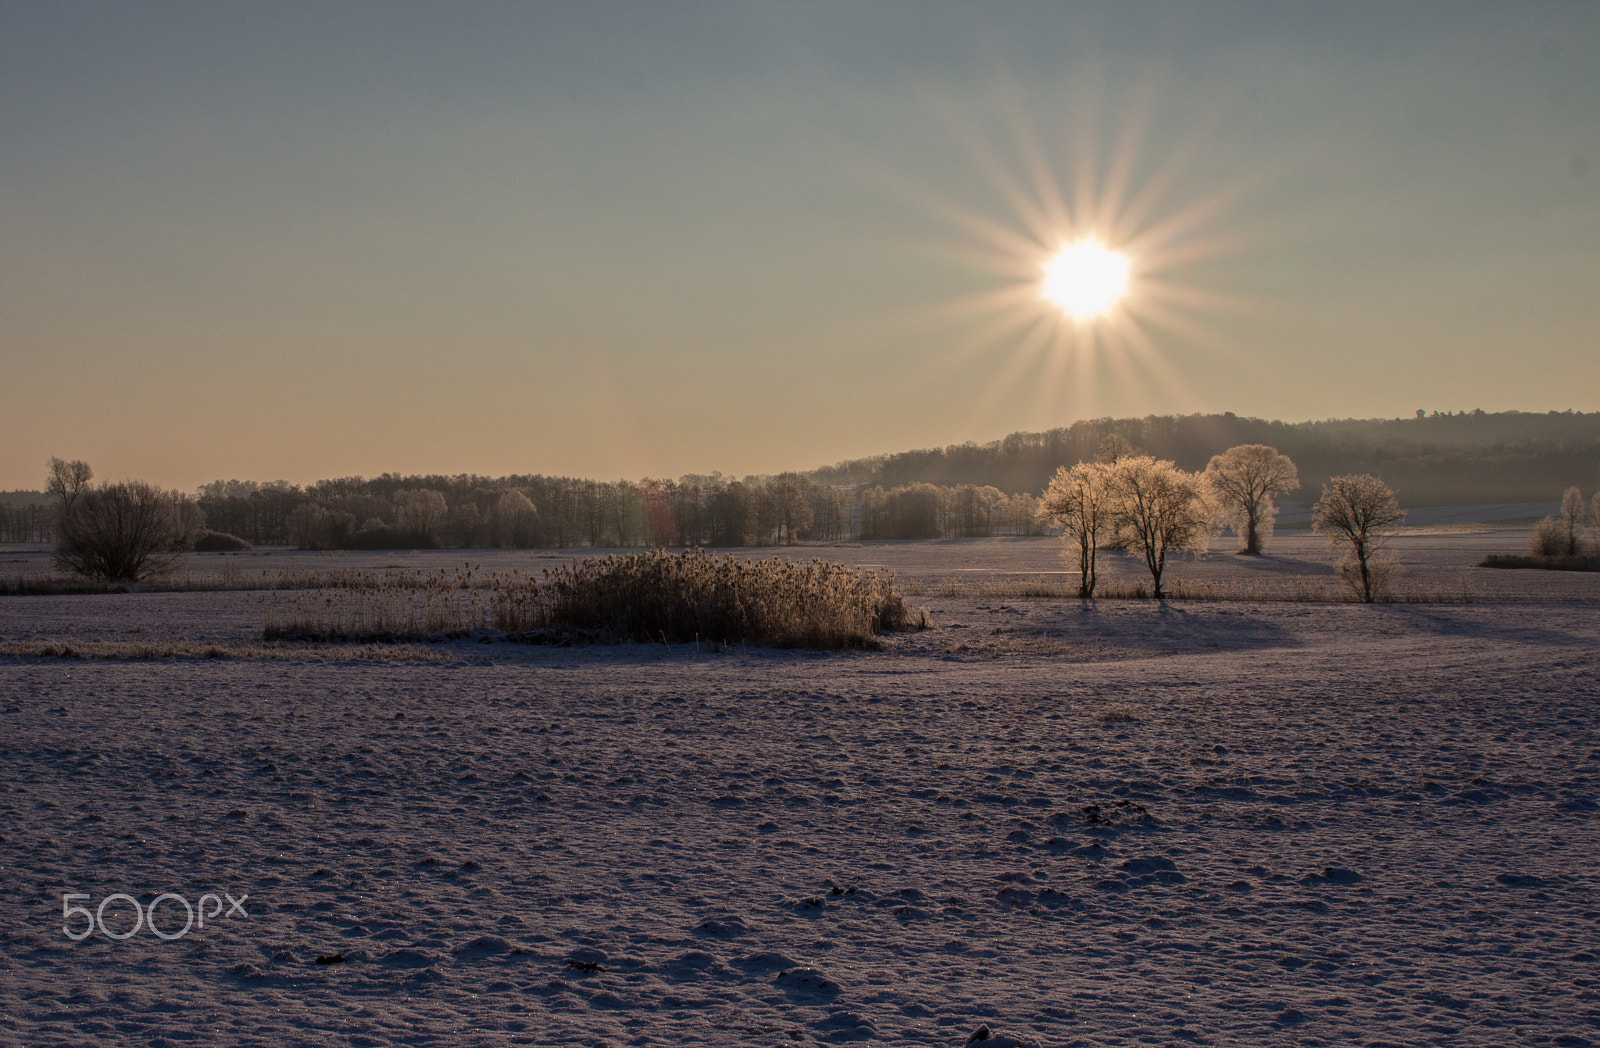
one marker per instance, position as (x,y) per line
(407,959)
(721,928)
(766,962)
(806,984)
(483,946)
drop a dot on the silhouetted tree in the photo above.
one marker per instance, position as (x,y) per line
(64,481)
(120,532)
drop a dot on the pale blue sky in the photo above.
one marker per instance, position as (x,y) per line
(310,240)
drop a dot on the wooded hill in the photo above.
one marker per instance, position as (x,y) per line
(1440,459)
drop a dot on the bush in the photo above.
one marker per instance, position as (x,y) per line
(1549,539)
(219,542)
(387,536)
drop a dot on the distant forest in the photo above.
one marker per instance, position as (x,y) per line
(963,490)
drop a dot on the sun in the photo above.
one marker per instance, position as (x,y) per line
(1086,279)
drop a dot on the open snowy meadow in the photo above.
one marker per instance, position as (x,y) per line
(1256,818)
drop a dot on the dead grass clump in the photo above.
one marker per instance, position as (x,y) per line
(692,596)
(1120,713)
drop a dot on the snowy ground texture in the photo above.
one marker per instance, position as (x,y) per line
(1112,823)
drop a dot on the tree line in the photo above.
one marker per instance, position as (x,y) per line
(531,511)
(960,491)
(1122,500)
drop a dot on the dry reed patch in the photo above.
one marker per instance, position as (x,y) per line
(1119,713)
(1513,560)
(652,597)
(695,596)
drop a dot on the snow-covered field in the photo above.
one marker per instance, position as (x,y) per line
(1199,822)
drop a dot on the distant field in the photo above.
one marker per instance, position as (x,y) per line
(1438,559)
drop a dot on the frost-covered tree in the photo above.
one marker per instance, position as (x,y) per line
(1157,508)
(515,519)
(1571,521)
(1245,482)
(1358,512)
(1078,501)
(420,512)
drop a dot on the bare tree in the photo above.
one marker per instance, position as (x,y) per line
(1245,481)
(119,532)
(66,480)
(1358,512)
(1157,508)
(1571,521)
(1078,501)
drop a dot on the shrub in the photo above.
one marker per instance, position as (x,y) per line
(377,535)
(219,542)
(1549,539)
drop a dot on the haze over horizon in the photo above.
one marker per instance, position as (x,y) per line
(297,241)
